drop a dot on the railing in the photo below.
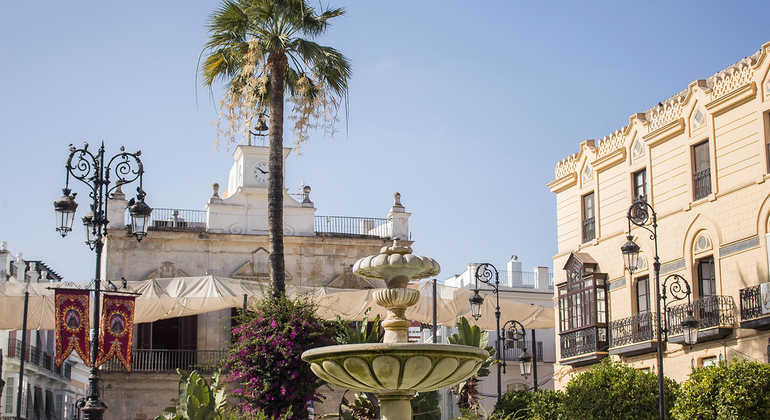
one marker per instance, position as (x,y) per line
(37,357)
(711,311)
(175,219)
(164,361)
(751,303)
(358,226)
(583,341)
(589,230)
(636,329)
(514,348)
(702,184)
(520,279)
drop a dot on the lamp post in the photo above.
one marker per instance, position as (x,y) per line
(513,334)
(639,214)
(91,169)
(488,274)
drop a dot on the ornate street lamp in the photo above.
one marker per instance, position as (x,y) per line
(514,331)
(92,170)
(640,214)
(488,274)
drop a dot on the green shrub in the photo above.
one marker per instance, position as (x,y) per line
(616,391)
(513,405)
(739,390)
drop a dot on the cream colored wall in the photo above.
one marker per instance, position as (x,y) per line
(736,104)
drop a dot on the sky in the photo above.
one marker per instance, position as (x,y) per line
(463,107)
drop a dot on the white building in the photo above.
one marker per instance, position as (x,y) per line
(532,287)
(48,392)
(228,238)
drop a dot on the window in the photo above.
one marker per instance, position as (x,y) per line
(707,282)
(701,171)
(643,295)
(708,361)
(589,231)
(10,388)
(640,185)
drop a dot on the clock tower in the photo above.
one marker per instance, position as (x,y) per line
(242,209)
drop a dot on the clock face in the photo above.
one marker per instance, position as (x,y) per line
(261,173)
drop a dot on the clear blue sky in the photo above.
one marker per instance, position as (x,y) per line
(462,107)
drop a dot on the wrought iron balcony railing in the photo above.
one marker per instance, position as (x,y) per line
(357,226)
(701,184)
(635,329)
(514,348)
(589,230)
(585,341)
(166,361)
(710,311)
(176,219)
(35,356)
(195,220)
(751,303)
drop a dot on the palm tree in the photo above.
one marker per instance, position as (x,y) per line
(257,47)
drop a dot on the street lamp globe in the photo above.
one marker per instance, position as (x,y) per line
(476,301)
(630,252)
(65,212)
(690,329)
(90,225)
(525,363)
(140,217)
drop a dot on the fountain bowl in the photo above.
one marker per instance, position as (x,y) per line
(396,368)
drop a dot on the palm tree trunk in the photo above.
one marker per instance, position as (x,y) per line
(276,64)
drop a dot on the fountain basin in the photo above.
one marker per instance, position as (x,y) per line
(396,368)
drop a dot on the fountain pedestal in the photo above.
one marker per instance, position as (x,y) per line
(396,369)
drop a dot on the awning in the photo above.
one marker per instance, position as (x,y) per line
(183,296)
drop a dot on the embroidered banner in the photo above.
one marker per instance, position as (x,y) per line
(117,330)
(72,324)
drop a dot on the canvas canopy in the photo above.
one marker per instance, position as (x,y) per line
(183,296)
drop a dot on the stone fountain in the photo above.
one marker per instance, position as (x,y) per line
(395,369)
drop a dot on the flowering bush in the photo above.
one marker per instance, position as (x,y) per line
(265,362)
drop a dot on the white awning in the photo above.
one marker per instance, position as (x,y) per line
(183,296)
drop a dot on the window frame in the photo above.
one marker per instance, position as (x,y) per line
(701,179)
(636,186)
(588,224)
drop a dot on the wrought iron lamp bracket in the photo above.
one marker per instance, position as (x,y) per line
(679,289)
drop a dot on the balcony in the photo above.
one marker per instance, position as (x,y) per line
(35,356)
(195,221)
(352,226)
(752,312)
(583,347)
(514,348)
(634,335)
(715,315)
(701,183)
(167,361)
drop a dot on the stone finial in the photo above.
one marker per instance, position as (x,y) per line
(118,194)
(306,195)
(19,257)
(397,199)
(4,246)
(215,196)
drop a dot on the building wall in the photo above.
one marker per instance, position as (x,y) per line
(730,110)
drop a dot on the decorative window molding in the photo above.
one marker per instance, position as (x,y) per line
(616,283)
(739,246)
(672,266)
(588,173)
(702,244)
(637,150)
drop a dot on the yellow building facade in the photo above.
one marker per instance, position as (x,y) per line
(701,160)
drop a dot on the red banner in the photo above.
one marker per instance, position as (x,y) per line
(72,324)
(117,330)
